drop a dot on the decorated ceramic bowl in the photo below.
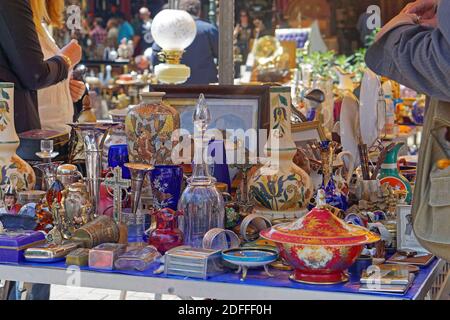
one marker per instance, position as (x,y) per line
(246,258)
(250,257)
(320,246)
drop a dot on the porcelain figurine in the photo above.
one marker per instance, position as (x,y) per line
(78,208)
(280,188)
(315,98)
(10,202)
(334,196)
(149,128)
(12,168)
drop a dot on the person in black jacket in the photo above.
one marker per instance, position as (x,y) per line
(22,61)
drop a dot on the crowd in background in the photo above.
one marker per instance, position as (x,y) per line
(98,33)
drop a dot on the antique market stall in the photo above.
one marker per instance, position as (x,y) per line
(294,173)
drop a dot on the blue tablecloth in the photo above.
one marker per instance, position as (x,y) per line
(280,279)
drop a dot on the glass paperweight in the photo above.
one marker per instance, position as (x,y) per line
(201,203)
(140,259)
(135,225)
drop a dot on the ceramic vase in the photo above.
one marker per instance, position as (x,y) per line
(166,235)
(149,128)
(391,175)
(281,189)
(13,170)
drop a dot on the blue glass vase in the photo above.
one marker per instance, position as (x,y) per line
(166,183)
(117,157)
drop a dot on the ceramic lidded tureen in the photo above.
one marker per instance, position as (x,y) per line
(320,246)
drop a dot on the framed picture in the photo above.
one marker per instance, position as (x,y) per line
(406,239)
(306,134)
(231,107)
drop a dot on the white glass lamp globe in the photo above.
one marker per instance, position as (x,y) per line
(173,31)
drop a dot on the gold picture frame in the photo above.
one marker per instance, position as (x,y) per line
(306,135)
(309,127)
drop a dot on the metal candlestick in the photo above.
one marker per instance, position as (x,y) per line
(117,183)
(244,203)
(138,173)
(94,136)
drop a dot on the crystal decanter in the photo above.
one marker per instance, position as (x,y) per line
(201,203)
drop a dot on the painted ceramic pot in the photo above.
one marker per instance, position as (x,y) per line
(391,175)
(281,188)
(13,169)
(320,246)
(166,186)
(149,128)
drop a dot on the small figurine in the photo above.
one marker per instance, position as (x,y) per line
(56,236)
(10,202)
(321,199)
(315,98)
(44,218)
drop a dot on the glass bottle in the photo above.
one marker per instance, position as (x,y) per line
(201,203)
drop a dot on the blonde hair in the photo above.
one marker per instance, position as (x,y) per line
(48,11)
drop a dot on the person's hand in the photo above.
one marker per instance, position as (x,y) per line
(77,90)
(426,11)
(73,51)
(237,30)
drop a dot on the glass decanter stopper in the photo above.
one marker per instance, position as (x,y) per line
(201,203)
(201,118)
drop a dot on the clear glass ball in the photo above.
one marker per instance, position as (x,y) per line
(174,29)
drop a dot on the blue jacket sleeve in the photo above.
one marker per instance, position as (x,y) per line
(416,56)
(214,41)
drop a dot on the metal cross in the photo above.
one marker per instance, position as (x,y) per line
(117,183)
